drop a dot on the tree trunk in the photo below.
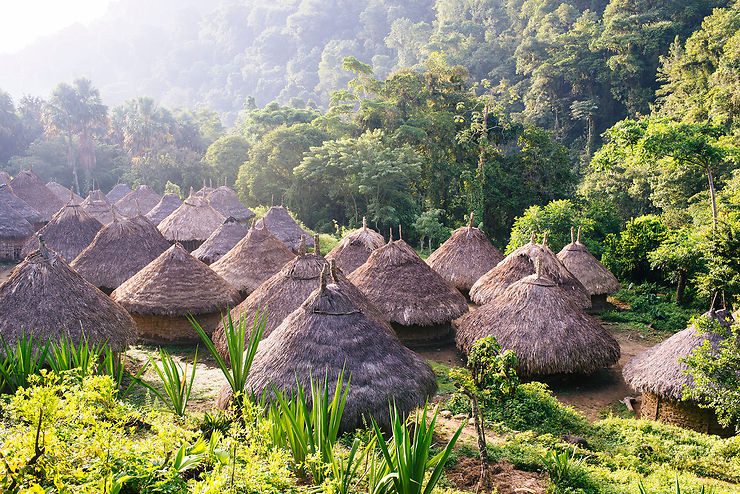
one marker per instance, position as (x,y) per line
(713,198)
(479,431)
(682,275)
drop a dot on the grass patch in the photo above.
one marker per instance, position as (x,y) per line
(445,385)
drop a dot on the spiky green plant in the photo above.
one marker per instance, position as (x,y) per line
(407,454)
(175,381)
(83,358)
(20,361)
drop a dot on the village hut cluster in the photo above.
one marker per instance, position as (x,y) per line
(131,265)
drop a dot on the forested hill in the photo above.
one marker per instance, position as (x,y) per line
(567,64)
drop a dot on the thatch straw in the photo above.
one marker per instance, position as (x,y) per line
(117,193)
(29,187)
(21,207)
(45,296)
(193,221)
(253,260)
(97,206)
(355,248)
(549,332)
(519,264)
(119,251)
(404,288)
(658,369)
(587,269)
(138,201)
(225,201)
(329,333)
(165,207)
(63,193)
(176,284)
(68,232)
(221,241)
(464,257)
(280,223)
(287,290)
(12,224)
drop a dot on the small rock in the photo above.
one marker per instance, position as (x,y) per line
(460,416)
(446,414)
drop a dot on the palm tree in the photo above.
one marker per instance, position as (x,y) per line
(75,112)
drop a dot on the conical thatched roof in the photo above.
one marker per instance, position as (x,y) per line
(117,193)
(658,369)
(12,224)
(329,333)
(225,201)
(464,257)
(253,260)
(194,220)
(221,241)
(27,212)
(63,193)
(139,201)
(119,251)
(165,207)
(355,248)
(519,264)
(46,296)
(68,232)
(29,187)
(176,284)
(587,269)
(5,177)
(287,290)
(548,331)
(97,206)
(404,288)
(280,223)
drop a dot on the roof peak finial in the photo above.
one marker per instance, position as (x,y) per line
(531,238)
(400,237)
(43,248)
(316,249)
(138,207)
(572,236)
(302,246)
(322,279)
(579,235)
(538,268)
(191,190)
(390,235)
(333,270)
(472,217)
(72,194)
(544,239)
(364,222)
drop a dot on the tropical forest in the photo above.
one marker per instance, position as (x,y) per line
(381,246)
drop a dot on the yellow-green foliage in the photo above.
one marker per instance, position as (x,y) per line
(89,439)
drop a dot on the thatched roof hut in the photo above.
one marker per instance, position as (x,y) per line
(192,223)
(139,201)
(225,201)
(20,206)
(117,193)
(280,223)
(329,333)
(465,256)
(68,232)
(165,207)
(63,193)
(661,376)
(253,260)
(403,287)
(519,264)
(97,206)
(355,248)
(46,296)
(221,241)
(595,278)
(548,331)
(5,177)
(175,284)
(119,251)
(285,291)
(29,187)
(14,232)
